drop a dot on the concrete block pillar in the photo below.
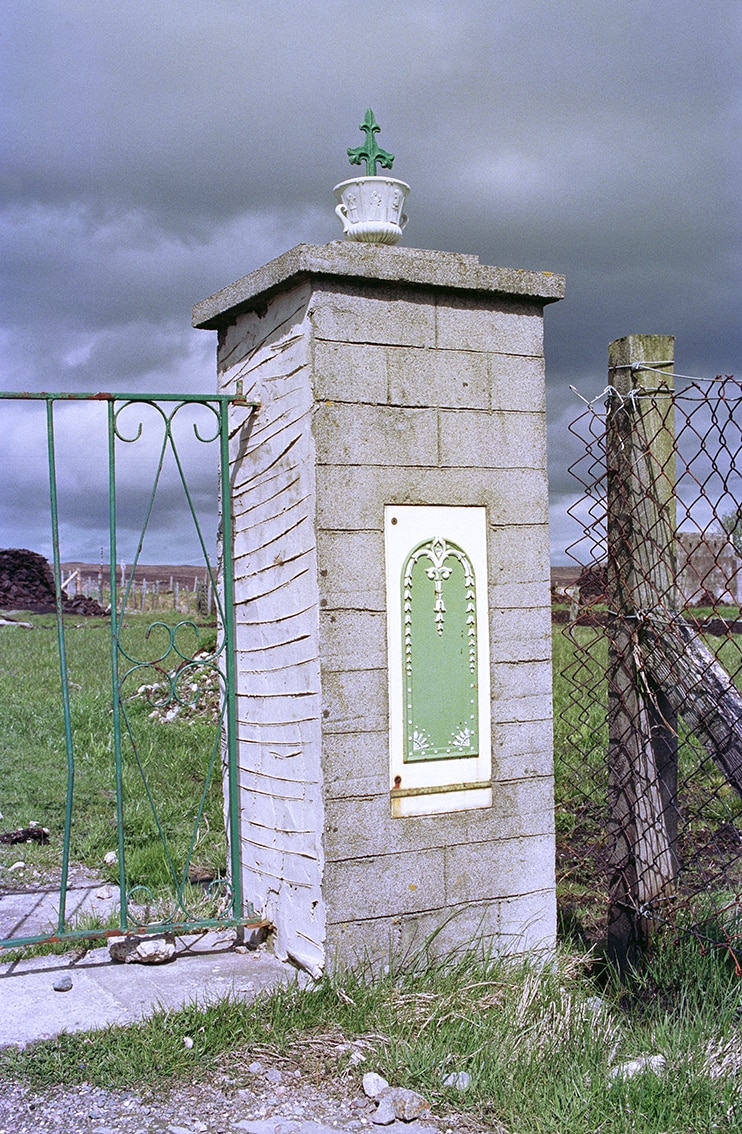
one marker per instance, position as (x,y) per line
(390,506)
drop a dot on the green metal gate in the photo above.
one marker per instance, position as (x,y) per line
(163,739)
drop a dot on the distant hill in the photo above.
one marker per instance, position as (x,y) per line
(564,576)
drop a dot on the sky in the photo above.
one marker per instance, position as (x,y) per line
(152,153)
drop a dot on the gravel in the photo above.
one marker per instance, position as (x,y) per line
(223,1105)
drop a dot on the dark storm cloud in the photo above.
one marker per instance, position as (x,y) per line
(152,153)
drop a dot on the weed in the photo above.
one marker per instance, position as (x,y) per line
(540,1044)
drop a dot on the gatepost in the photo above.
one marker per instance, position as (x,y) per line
(392,599)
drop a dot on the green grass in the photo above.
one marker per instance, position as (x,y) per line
(539,1044)
(173,758)
(707,801)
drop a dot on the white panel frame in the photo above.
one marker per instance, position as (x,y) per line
(440,785)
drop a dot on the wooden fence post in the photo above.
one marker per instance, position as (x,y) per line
(642,745)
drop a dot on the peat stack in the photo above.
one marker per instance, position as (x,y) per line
(27,583)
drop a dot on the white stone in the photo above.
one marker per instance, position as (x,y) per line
(458,1079)
(384,1114)
(373,1084)
(633,1067)
(131,949)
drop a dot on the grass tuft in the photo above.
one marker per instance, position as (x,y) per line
(538,1043)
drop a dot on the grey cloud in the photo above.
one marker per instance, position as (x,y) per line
(155,152)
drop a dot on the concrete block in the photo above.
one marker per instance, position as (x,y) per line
(517,382)
(354,498)
(375,435)
(349,372)
(379,388)
(522,749)
(355,764)
(525,708)
(356,701)
(514,596)
(351,569)
(399,941)
(292,678)
(470,323)
(372,315)
(241,337)
(514,679)
(494,440)
(363,828)
(527,923)
(352,639)
(388,885)
(520,635)
(438,378)
(358,788)
(516,866)
(518,555)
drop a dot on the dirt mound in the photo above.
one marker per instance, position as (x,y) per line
(27,583)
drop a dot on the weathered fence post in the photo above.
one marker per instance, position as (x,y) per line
(642,747)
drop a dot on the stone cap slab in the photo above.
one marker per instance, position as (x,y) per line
(408,267)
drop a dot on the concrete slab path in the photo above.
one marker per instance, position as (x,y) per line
(206,968)
(108,992)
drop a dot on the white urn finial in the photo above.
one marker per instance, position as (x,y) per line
(371,208)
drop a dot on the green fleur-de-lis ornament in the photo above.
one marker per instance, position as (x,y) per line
(369,151)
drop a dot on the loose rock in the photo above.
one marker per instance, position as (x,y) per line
(132,949)
(374,1084)
(385,1114)
(399,1102)
(458,1079)
(63,983)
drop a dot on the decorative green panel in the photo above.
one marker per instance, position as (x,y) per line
(439,653)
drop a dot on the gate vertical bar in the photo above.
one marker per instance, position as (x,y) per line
(62,913)
(642,745)
(228,620)
(112,559)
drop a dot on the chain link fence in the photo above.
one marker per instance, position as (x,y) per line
(648,652)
